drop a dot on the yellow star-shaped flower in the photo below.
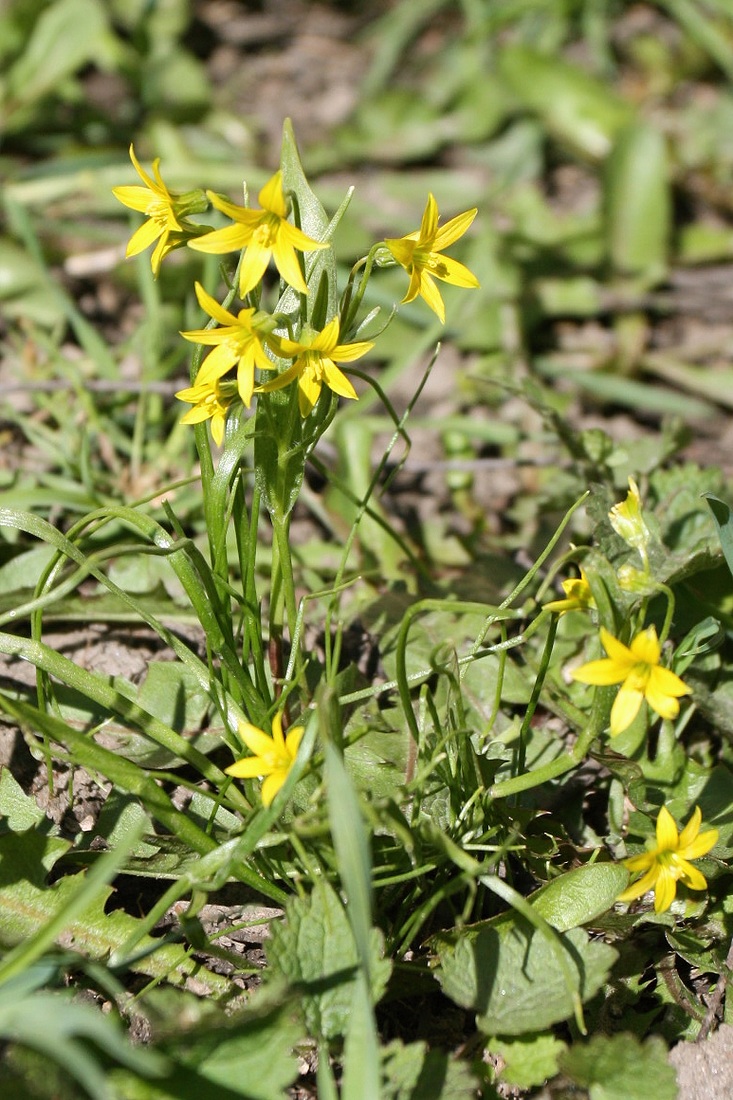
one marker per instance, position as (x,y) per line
(211,401)
(165,210)
(640,674)
(264,233)
(669,863)
(273,756)
(239,342)
(316,355)
(419,254)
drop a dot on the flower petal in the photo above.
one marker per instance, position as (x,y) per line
(256,740)
(250,767)
(229,239)
(690,875)
(143,237)
(430,294)
(616,650)
(453,229)
(272,785)
(212,307)
(645,648)
(337,380)
(452,271)
(286,261)
(253,267)
(700,846)
(664,891)
(601,673)
(625,709)
(643,886)
(667,835)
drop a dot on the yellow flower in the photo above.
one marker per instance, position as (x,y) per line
(239,342)
(316,355)
(264,233)
(273,757)
(669,863)
(641,676)
(166,212)
(578,596)
(211,401)
(628,522)
(419,254)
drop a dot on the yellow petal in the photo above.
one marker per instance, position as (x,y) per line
(451,271)
(402,250)
(667,836)
(248,768)
(645,647)
(625,709)
(253,267)
(229,239)
(690,875)
(143,237)
(429,223)
(134,196)
(286,261)
(616,650)
(272,785)
(430,294)
(257,741)
(453,229)
(271,196)
(664,891)
(293,739)
(601,673)
(700,846)
(337,380)
(212,307)
(643,886)
(309,390)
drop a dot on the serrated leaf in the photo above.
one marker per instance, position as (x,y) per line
(19,810)
(314,949)
(27,905)
(619,1067)
(528,1061)
(512,978)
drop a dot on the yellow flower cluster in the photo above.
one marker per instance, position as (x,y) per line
(247,340)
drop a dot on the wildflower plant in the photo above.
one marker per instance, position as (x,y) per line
(394,816)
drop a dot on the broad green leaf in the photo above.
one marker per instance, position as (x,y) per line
(247,1055)
(510,976)
(581,895)
(619,1067)
(638,202)
(28,906)
(528,1061)
(314,949)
